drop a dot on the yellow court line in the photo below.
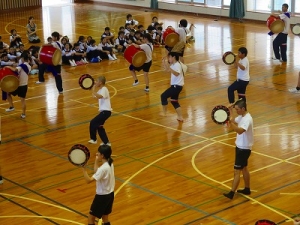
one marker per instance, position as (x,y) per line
(42,217)
(218,182)
(289,193)
(34,200)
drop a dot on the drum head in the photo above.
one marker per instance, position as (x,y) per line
(265,222)
(172,39)
(139,59)
(228,58)
(56,58)
(86,81)
(220,114)
(296,29)
(79,155)
(277,26)
(9,83)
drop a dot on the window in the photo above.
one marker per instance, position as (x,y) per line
(297,6)
(226,2)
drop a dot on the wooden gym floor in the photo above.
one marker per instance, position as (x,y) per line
(166,172)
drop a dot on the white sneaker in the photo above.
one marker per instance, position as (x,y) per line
(23,116)
(108,143)
(294,90)
(110,57)
(99,58)
(147,89)
(39,82)
(92,141)
(114,56)
(72,63)
(85,61)
(10,109)
(135,83)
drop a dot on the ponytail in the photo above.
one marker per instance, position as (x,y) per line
(105,150)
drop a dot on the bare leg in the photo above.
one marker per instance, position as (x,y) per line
(105,219)
(179,114)
(10,101)
(164,110)
(246,176)
(133,74)
(146,79)
(236,180)
(91,219)
(23,105)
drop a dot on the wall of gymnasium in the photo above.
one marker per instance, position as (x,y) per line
(13,4)
(197,9)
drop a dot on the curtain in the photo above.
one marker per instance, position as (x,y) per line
(154,4)
(237,9)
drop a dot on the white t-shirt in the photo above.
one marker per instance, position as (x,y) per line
(182,33)
(104,103)
(148,48)
(105,179)
(245,140)
(23,76)
(177,80)
(243,74)
(134,22)
(286,21)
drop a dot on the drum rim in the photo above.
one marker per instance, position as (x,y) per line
(216,108)
(84,149)
(16,83)
(174,42)
(228,53)
(143,53)
(275,22)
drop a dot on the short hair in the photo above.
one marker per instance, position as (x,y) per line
(55,34)
(121,28)
(102,79)
(102,38)
(140,26)
(285,5)
(174,54)
(121,32)
(150,27)
(49,38)
(107,28)
(159,28)
(137,32)
(76,45)
(156,24)
(148,37)
(241,104)
(92,41)
(154,17)
(12,30)
(127,24)
(25,55)
(128,16)
(183,23)
(243,50)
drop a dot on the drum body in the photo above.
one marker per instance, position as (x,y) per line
(296,29)
(86,81)
(135,56)
(9,81)
(170,37)
(275,25)
(79,155)
(228,58)
(50,55)
(265,222)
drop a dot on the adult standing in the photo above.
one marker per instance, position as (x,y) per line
(243,126)
(105,184)
(31,31)
(280,42)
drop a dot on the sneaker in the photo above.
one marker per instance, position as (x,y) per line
(244,191)
(229,195)
(114,56)
(135,83)
(92,141)
(10,109)
(39,82)
(294,90)
(99,58)
(23,116)
(108,143)
(147,89)
(111,58)
(60,92)
(1,181)
(273,58)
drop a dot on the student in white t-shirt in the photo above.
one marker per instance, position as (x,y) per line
(177,70)
(97,123)
(23,71)
(243,77)
(147,46)
(243,126)
(104,176)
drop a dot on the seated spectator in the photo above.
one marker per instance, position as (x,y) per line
(3,46)
(31,31)
(142,30)
(15,39)
(120,43)
(130,20)
(158,36)
(79,55)
(68,55)
(106,51)
(12,55)
(82,43)
(88,40)
(155,20)
(138,38)
(92,52)
(109,36)
(6,62)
